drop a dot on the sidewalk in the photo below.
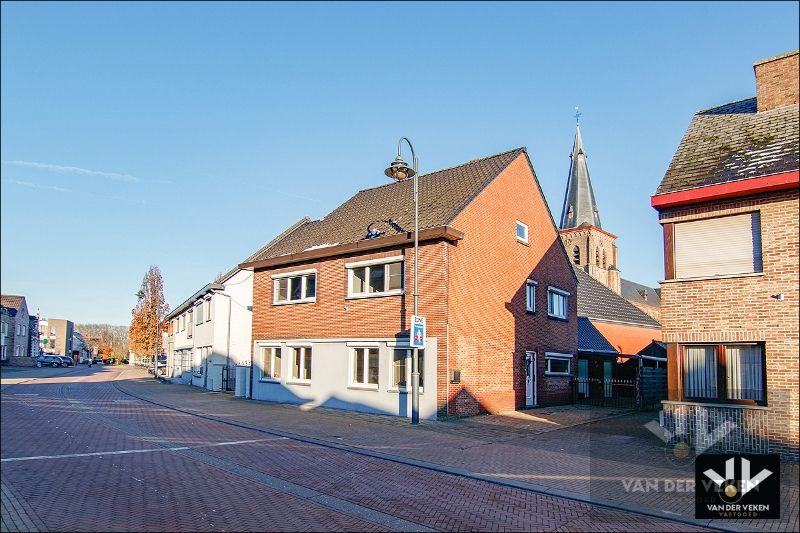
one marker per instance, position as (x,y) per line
(592,456)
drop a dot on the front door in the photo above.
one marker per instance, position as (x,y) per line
(608,390)
(530,379)
(583,377)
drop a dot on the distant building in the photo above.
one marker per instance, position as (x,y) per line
(55,336)
(15,327)
(33,335)
(728,205)
(590,247)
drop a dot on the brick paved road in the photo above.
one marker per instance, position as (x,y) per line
(78,454)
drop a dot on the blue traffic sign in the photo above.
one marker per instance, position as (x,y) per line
(418,331)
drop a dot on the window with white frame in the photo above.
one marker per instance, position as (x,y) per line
(522,232)
(186,360)
(294,287)
(378,277)
(18,351)
(3,351)
(199,313)
(364,363)
(530,296)
(271,362)
(301,363)
(207,304)
(737,249)
(557,364)
(189,324)
(401,368)
(557,305)
(4,328)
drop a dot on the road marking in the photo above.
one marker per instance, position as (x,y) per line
(124,452)
(25,394)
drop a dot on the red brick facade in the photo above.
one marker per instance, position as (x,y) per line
(472,293)
(490,330)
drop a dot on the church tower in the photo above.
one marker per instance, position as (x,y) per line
(588,245)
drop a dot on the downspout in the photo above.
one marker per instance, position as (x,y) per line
(228,336)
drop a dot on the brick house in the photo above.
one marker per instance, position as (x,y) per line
(14,332)
(728,205)
(331,310)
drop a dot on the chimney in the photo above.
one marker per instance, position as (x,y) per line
(777,81)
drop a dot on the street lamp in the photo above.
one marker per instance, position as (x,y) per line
(141,295)
(399,170)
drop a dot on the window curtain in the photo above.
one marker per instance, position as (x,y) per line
(700,371)
(745,372)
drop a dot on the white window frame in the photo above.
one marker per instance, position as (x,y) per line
(303,275)
(273,349)
(291,379)
(368,265)
(524,226)
(530,295)
(409,362)
(4,328)
(199,315)
(363,384)
(548,356)
(560,292)
(207,310)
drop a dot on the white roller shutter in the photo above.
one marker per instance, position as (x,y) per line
(718,246)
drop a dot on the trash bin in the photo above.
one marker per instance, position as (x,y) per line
(242,388)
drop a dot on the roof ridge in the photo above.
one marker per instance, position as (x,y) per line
(725,104)
(305,220)
(470,162)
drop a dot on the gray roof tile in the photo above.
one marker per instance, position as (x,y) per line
(580,207)
(590,339)
(635,292)
(733,142)
(596,301)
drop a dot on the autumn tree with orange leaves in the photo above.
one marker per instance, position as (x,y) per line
(148,315)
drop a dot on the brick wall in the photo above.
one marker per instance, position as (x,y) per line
(489,329)
(742,308)
(777,81)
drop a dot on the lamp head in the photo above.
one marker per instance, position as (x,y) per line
(399,169)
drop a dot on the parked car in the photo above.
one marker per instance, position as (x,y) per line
(66,361)
(162,365)
(49,360)
(97,359)
(110,361)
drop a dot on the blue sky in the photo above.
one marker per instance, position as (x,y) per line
(188,135)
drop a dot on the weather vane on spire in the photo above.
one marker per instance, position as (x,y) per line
(577,116)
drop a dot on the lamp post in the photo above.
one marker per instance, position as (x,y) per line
(399,170)
(141,295)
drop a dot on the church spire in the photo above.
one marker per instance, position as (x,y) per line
(580,208)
